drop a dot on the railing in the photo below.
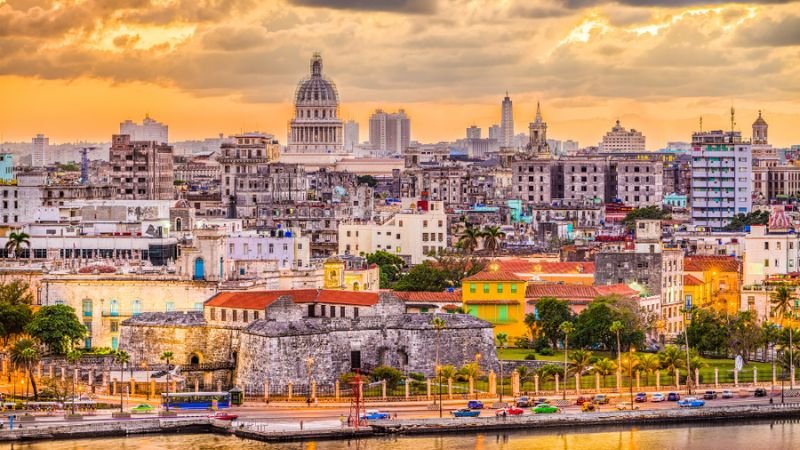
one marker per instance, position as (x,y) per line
(207,366)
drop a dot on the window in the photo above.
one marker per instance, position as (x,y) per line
(235,315)
(355,312)
(213,313)
(244,316)
(485,288)
(513,288)
(322,311)
(114,308)
(224,315)
(312,312)
(198,306)
(115,326)
(114,342)
(255,315)
(499,288)
(87,308)
(170,306)
(333,311)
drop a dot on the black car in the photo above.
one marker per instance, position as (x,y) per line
(673,397)
(710,395)
(524,402)
(760,392)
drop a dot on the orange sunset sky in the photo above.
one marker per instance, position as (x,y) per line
(73,69)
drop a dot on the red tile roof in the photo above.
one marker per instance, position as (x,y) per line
(575,293)
(261,299)
(429,297)
(494,276)
(710,263)
(520,266)
(691,280)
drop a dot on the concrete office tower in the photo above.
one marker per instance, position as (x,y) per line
(316,126)
(351,135)
(496,133)
(149,130)
(39,151)
(473,132)
(141,170)
(621,140)
(507,123)
(390,132)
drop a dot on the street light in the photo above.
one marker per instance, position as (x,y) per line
(630,371)
(439,372)
(146,378)
(478,368)
(309,365)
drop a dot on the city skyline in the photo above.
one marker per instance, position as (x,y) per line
(224,67)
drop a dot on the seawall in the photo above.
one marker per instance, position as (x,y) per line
(119,428)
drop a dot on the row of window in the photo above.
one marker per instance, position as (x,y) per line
(473,288)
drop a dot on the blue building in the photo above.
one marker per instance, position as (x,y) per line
(6,167)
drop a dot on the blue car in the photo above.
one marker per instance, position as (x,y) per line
(465,412)
(691,402)
(375,415)
(475,404)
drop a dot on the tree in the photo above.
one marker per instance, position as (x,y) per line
(649,363)
(390,374)
(593,325)
(391,267)
(549,371)
(470,370)
(425,277)
(73,356)
(671,358)
(17,241)
(649,212)
(56,327)
(770,334)
(15,309)
(121,357)
(566,328)
(616,327)
(438,324)
(166,356)
(25,354)
(447,372)
(369,180)
(502,340)
(469,239)
(581,360)
(605,367)
(533,324)
(552,312)
(707,331)
(492,238)
(782,301)
(740,221)
(744,334)
(630,363)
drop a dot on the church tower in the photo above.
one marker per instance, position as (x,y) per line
(538,135)
(760,131)
(333,269)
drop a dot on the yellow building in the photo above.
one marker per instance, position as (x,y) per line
(713,281)
(338,276)
(499,298)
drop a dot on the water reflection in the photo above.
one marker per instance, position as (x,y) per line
(716,436)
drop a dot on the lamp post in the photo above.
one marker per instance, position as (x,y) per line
(22,381)
(309,365)
(631,351)
(477,369)
(146,378)
(439,371)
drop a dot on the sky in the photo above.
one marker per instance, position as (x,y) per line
(74,69)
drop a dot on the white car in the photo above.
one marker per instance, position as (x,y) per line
(657,397)
(622,406)
(727,393)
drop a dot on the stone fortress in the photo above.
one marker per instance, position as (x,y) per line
(278,337)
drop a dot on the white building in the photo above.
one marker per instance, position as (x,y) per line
(507,123)
(496,133)
(149,130)
(41,143)
(390,132)
(351,135)
(770,250)
(721,178)
(621,140)
(412,233)
(473,132)
(289,250)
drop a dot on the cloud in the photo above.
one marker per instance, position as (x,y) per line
(577,4)
(771,33)
(395,6)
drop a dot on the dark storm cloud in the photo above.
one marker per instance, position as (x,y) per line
(771,33)
(397,6)
(575,4)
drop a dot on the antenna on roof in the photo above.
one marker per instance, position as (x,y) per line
(733,119)
(701,124)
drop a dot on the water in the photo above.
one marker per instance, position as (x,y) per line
(749,436)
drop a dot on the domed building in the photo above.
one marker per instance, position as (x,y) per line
(316,126)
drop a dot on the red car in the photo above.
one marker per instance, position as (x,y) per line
(509,411)
(223,416)
(581,400)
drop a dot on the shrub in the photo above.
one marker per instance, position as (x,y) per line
(546,351)
(522,342)
(530,357)
(390,374)
(416,376)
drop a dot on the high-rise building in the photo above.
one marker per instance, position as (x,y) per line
(507,123)
(389,131)
(351,135)
(721,177)
(473,132)
(621,140)
(141,170)
(149,130)
(316,126)
(537,129)
(39,151)
(496,133)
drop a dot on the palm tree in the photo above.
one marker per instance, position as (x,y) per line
(630,363)
(471,370)
(438,324)
(532,323)
(16,242)
(73,356)
(782,300)
(166,356)
(502,340)
(580,360)
(447,372)
(25,354)
(122,357)
(671,358)
(616,327)
(649,363)
(468,241)
(604,367)
(492,237)
(567,328)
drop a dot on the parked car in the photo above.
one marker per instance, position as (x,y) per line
(641,397)
(673,397)
(509,411)
(143,408)
(581,400)
(727,393)
(760,392)
(375,415)
(710,395)
(691,402)
(475,404)
(657,397)
(601,399)
(465,412)
(544,408)
(223,416)
(588,407)
(539,401)
(524,401)
(622,406)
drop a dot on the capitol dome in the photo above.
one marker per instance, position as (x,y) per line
(316,90)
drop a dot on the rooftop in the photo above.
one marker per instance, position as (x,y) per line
(576,293)
(261,299)
(710,263)
(495,276)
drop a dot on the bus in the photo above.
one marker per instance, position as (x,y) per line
(196,400)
